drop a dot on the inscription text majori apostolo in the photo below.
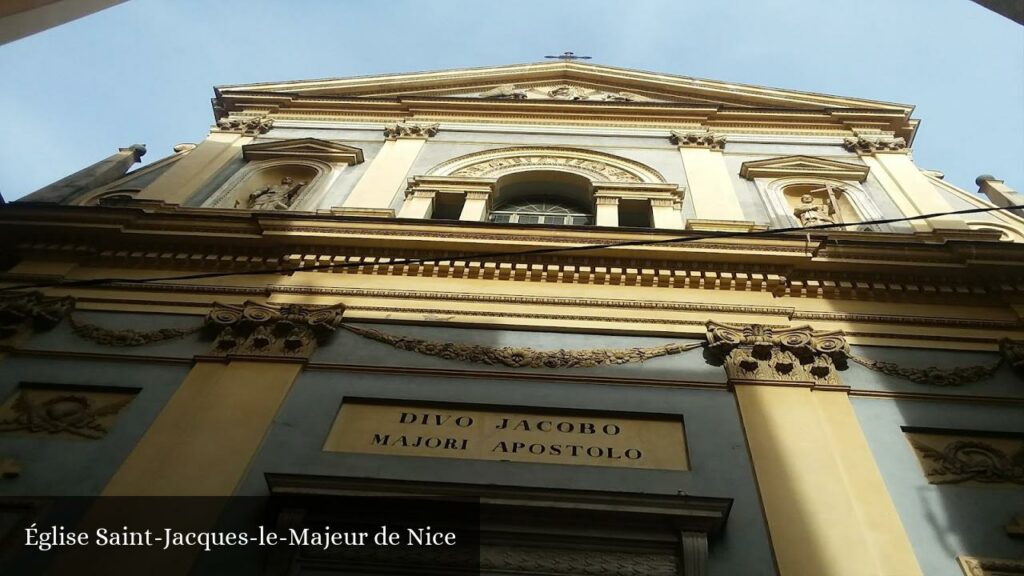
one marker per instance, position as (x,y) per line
(453,431)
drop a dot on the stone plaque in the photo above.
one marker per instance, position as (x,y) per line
(581,438)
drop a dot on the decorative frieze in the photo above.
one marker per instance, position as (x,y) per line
(76,412)
(697,139)
(248,126)
(289,330)
(21,312)
(758,352)
(410,130)
(871,144)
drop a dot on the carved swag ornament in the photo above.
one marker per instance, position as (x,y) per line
(757,352)
(290,330)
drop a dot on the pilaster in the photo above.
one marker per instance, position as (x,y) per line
(707,175)
(184,178)
(607,210)
(889,159)
(388,170)
(202,442)
(419,204)
(475,207)
(827,507)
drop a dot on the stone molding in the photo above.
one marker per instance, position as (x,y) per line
(410,130)
(697,139)
(756,352)
(976,566)
(254,329)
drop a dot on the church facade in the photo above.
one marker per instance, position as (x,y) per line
(652,324)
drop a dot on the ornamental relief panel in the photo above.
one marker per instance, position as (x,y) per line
(76,412)
(954,457)
(596,166)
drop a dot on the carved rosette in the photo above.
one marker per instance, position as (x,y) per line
(409,130)
(757,352)
(697,139)
(872,144)
(256,329)
(248,126)
(22,312)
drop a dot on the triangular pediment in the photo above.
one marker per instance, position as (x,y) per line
(809,166)
(563,81)
(310,148)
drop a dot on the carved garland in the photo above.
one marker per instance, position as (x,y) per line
(127,337)
(747,352)
(523,357)
(931,375)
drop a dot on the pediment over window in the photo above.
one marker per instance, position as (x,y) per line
(310,148)
(808,166)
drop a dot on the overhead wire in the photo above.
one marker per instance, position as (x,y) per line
(518,253)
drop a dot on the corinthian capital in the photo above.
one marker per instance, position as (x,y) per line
(872,144)
(757,352)
(257,329)
(409,130)
(697,139)
(248,126)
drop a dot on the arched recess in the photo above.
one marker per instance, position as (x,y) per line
(303,176)
(595,166)
(783,197)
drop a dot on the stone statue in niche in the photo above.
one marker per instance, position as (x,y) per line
(273,197)
(812,213)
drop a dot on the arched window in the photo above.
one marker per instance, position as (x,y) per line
(541,211)
(543,197)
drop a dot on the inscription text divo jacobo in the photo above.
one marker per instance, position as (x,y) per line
(583,438)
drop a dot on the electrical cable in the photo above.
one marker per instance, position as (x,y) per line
(491,255)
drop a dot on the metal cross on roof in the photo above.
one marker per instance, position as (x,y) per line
(567,56)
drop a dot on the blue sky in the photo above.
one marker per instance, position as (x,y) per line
(144,71)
